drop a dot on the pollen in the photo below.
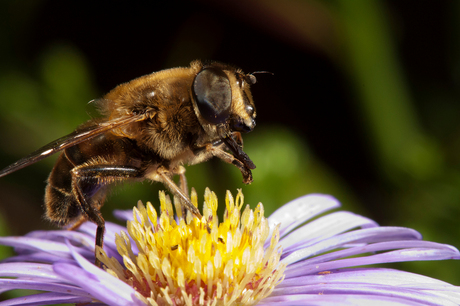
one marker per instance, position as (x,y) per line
(181,262)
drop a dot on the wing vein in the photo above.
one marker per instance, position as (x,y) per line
(70,140)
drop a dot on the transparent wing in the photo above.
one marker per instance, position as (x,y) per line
(70,140)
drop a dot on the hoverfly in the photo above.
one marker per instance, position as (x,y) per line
(150,127)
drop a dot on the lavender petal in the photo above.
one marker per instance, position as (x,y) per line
(337,299)
(46,298)
(379,276)
(123,215)
(412,295)
(379,247)
(30,270)
(367,235)
(394,256)
(42,257)
(96,281)
(300,210)
(107,289)
(324,227)
(110,246)
(21,243)
(63,235)
(383,276)
(12,284)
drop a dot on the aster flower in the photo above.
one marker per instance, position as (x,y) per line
(293,257)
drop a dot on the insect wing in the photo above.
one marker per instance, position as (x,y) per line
(69,140)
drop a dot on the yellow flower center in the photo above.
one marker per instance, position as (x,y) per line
(182,263)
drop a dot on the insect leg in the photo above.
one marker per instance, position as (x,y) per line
(238,138)
(94,215)
(229,158)
(183,180)
(87,181)
(185,200)
(183,185)
(82,219)
(168,182)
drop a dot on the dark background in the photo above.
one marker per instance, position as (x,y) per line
(363,103)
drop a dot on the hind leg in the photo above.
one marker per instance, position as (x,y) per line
(76,193)
(88,186)
(61,206)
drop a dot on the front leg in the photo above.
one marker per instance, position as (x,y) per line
(238,138)
(217,149)
(236,146)
(165,176)
(229,158)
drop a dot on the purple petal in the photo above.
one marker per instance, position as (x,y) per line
(47,298)
(367,235)
(412,295)
(30,270)
(379,247)
(96,281)
(300,210)
(110,246)
(123,215)
(324,227)
(378,276)
(63,235)
(34,244)
(12,284)
(371,276)
(107,288)
(394,256)
(337,299)
(83,243)
(42,257)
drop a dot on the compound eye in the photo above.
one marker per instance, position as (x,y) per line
(213,95)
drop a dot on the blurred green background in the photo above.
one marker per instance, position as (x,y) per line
(363,104)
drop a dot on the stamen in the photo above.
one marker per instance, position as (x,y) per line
(181,263)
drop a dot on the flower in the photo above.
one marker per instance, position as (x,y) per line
(293,257)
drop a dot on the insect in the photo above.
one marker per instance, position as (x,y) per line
(150,127)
